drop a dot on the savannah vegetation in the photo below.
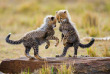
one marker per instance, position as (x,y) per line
(92,19)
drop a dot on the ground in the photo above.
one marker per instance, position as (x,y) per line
(20,16)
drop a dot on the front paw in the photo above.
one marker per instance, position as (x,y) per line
(57,43)
(46,47)
(64,44)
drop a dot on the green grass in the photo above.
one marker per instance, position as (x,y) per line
(106,52)
(92,52)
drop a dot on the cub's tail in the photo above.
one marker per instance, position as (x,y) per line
(11,41)
(87,45)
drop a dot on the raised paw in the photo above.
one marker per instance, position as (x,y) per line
(46,47)
(56,44)
(64,44)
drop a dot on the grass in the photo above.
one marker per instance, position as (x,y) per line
(91,52)
(90,20)
(106,52)
(93,32)
(62,69)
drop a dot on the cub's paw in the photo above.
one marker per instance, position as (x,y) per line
(46,47)
(32,58)
(39,58)
(64,44)
(69,56)
(57,55)
(57,43)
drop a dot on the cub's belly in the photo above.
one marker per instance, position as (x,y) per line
(41,41)
(72,39)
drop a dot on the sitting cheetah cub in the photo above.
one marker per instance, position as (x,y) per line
(37,37)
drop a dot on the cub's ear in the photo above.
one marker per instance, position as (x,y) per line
(52,18)
(64,11)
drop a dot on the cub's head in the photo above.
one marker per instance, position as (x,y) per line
(50,21)
(62,16)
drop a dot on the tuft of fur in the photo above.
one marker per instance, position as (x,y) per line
(37,37)
(70,34)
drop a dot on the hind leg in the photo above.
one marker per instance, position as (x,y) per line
(27,50)
(64,50)
(75,50)
(36,50)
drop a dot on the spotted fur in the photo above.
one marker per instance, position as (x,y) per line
(37,37)
(70,35)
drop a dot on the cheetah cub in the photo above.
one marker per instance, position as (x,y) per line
(70,35)
(37,37)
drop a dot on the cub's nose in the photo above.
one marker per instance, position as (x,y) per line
(58,21)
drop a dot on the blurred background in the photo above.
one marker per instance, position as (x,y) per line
(92,19)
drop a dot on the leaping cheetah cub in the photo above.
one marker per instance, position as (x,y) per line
(37,37)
